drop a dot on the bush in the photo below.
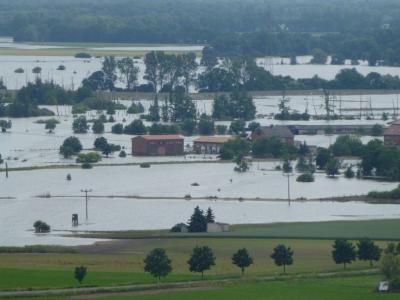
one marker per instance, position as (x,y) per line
(117,128)
(82,55)
(86,166)
(145,165)
(306,177)
(41,227)
(122,154)
(91,157)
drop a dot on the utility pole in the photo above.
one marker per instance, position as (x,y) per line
(6,170)
(288,175)
(86,198)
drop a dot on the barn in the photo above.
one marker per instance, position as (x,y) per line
(158,145)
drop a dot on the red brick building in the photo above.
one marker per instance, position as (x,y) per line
(391,136)
(279,131)
(158,145)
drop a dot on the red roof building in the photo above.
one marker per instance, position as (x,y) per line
(391,136)
(158,145)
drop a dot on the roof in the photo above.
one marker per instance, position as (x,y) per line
(393,129)
(277,130)
(157,137)
(395,122)
(213,139)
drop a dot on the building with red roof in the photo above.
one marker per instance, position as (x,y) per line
(391,135)
(158,145)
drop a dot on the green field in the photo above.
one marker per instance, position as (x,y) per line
(374,229)
(358,288)
(121,262)
(352,288)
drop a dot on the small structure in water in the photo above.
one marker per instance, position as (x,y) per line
(75,222)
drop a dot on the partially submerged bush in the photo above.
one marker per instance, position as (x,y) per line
(306,177)
(41,227)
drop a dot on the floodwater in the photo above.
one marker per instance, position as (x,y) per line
(78,69)
(19,213)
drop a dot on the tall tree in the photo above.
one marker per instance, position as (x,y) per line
(109,68)
(202,259)
(197,222)
(209,57)
(368,251)
(189,67)
(80,273)
(242,259)
(343,252)
(157,263)
(129,72)
(282,256)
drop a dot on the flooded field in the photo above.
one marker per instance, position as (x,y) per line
(77,69)
(174,180)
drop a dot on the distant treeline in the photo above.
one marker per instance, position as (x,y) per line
(379,46)
(188,21)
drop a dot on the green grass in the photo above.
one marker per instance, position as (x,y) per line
(352,288)
(125,265)
(374,229)
(23,279)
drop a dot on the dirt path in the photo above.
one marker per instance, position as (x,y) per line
(179,286)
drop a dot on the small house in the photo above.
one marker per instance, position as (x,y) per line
(217,227)
(209,144)
(391,135)
(158,145)
(280,131)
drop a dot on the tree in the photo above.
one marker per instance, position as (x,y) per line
(155,68)
(390,267)
(129,72)
(237,126)
(96,81)
(109,69)
(41,227)
(157,263)
(80,273)
(242,259)
(287,166)
(234,148)
(282,256)
(98,127)
(206,125)
(154,111)
(332,167)
(117,128)
(319,57)
(377,130)
(343,252)
(368,251)
(209,57)
(100,143)
(202,259)
(349,173)
(210,218)
(189,67)
(253,126)
(198,222)
(71,146)
(181,107)
(136,127)
(50,125)
(79,125)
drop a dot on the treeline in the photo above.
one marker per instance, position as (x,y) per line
(193,21)
(380,46)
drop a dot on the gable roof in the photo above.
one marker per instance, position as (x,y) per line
(213,139)
(157,137)
(393,129)
(277,130)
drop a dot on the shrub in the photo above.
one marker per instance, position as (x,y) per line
(82,55)
(306,177)
(86,166)
(41,227)
(91,157)
(145,165)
